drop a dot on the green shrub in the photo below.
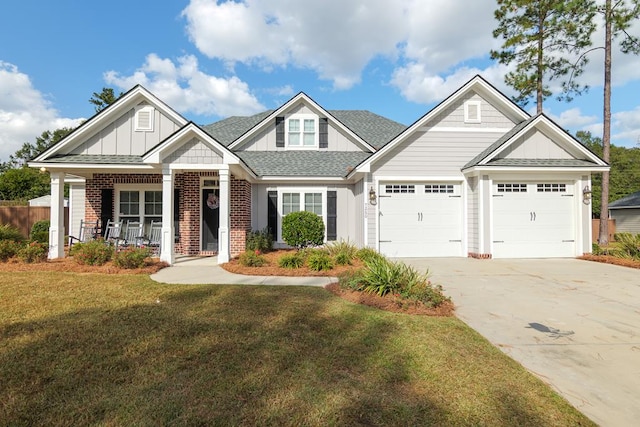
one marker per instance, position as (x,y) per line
(381,276)
(9,232)
(351,279)
(596,249)
(95,252)
(33,252)
(424,291)
(629,244)
(260,240)
(367,254)
(302,229)
(291,261)
(40,231)
(251,259)
(131,257)
(8,249)
(319,261)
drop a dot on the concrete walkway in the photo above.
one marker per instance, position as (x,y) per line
(575,324)
(205,270)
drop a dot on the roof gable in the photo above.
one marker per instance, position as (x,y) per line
(568,151)
(477,84)
(101,120)
(301,99)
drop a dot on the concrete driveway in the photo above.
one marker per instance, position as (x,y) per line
(575,324)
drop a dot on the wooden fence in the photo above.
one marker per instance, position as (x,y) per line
(595,229)
(23,217)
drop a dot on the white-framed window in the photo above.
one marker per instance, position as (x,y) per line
(472,112)
(302,131)
(438,188)
(143,120)
(552,188)
(301,199)
(138,204)
(512,188)
(399,188)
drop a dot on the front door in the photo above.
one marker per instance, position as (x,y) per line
(210,218)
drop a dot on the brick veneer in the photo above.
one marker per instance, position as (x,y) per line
(189,205)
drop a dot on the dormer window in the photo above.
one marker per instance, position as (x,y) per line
(144,119)
(302,131)
(472,112)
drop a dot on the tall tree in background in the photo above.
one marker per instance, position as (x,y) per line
(618,18)
(29,150)
(538,37)
(103,99)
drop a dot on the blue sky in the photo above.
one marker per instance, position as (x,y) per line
(210,60)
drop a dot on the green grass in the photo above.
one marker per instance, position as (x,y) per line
(90,349)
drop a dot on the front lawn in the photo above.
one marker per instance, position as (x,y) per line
(83,349)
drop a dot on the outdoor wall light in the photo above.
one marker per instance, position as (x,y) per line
(43,169)
(372,196)
(586,195)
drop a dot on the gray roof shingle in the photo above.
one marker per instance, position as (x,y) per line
(302,163)
(541,162)
(97,159)
(630,201)
(372,128)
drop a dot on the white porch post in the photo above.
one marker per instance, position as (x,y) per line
(223,228)
(167,244)
(56,228)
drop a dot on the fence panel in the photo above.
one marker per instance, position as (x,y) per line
(23,217)
(595,229)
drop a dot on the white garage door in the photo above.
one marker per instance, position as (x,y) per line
(420,219)
(533,220)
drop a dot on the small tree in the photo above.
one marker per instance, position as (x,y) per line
(302,229)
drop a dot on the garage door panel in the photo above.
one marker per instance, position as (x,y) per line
(426,222)
(535,221)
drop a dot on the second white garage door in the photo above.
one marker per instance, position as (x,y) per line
(420,219)
(533,220)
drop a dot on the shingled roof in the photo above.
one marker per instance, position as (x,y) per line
(302,163)
(630,201)
(372,128)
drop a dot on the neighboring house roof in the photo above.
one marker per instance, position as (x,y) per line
(374,129)
(630,201)
(45,201)
(302,163)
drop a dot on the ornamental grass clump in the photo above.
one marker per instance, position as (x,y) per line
(260,240)
(291,261)
(382,277)
(9,232)
(319,261)
(131,257)
(95,252)
(251,259)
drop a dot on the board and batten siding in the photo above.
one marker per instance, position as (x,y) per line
(120,137)
(346,222)
(534,145)
(453,116)
(472,214)
(357,236)
(371,213)
(76,207)
(627,220)
(194,152)
(266,140)
(433,153)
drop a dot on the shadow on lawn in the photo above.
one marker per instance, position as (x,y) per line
(216,355)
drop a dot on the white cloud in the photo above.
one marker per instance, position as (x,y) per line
(626,128)
(418,84)
(573,119)
(187,89)
(24,111)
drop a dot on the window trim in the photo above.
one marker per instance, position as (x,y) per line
(141,189)
(136,118)
(316,132)
(477,105)
(301,191)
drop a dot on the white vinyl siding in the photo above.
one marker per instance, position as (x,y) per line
(534,145)
(627,220)
(454,115)
(120,137)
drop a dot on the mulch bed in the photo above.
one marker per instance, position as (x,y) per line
(69,265)
(271,267)
(608,259)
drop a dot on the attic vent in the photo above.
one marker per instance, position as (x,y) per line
(144,119)
(472,112)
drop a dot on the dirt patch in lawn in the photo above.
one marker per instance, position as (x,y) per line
(270,268)
(608,259)
(68,264)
